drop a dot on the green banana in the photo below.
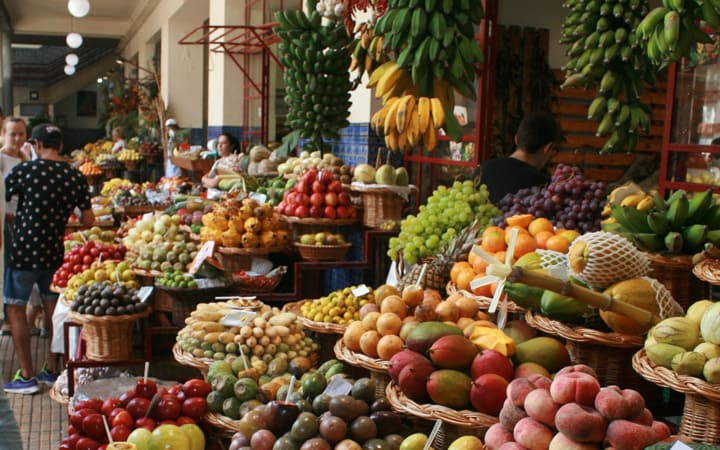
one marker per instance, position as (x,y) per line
(713,236)
(671,28)
(709,14)
(608,81)
(613,227)
(597,108)
(712,217)
(699,205)
(631,219)
(606,38)
(694,237)
(647,25)
(649,242)
(677,212)
(659,203)
(673,242)
(613,105)
(621,35)
(623,115)
(658,223)
(605,126)
(418,23)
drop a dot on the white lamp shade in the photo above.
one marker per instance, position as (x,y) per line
(69,70)
(71,59)
(79,8)
(74,40)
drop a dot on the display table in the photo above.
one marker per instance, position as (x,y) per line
(198,167)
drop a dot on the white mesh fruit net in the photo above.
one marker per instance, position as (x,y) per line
(554,262)
(667,306)
(611,258)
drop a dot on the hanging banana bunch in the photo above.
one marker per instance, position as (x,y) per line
(668,31)
(316,59)
(366,51)
(434,54)
(604,53)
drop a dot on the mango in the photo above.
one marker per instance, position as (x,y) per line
(426,333)
(519,331)
(662,354)
(637,292)
(452,352)
(678,331)
(449,388)
(546,351)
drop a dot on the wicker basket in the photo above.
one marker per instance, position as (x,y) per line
(381,205)
(701,414)
(235,259)
(318,327)
(609,354)
(322,252)
(108,338)
(378,367)
(676,273)
(136,210)
(186,359)
(181,302)
(300,226)
(226,426)
(708,270)
(246,283)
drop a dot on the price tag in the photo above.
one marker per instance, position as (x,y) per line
(144,293)
(238,318)
(680,446)
(205,251)
(360,291)
(338,386)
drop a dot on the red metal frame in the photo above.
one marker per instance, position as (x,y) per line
(486,85)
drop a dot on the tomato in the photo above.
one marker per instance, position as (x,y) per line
(145,388)
(145,422)
(92,425)
(76,259)
(169,407)
(108,405)
(122,418)
(93,403)
(182,420)
(194,407)
(71,430)
(196,388)
(125,397)
(120,432)
(138,407)
(174,389)
(87,443)
(94,252)
(77,267)
(76,419)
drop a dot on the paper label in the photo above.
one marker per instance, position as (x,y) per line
(680,446)
(238,318)
(144,293)
(338,386)
(205,251)
(360,291)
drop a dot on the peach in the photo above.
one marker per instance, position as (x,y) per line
(562,442)
(510,415)
(625,435)
(635,401)
(541,407)
(528,368)
(512,446)
(517,389)
(580,423)
(496,436)
(532,434)
(487,393)
(610,403)
(578,368)
(662,431)
(578,387)
(540,380)
(644,418)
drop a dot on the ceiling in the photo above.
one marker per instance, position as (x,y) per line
(47,22)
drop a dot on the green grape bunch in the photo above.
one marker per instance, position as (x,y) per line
(447,212)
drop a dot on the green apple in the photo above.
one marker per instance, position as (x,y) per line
(307,239)
(197,438)
(141,438)
(169,437)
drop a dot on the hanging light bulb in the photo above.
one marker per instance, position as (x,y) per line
(71,59)
(74,40)
(69,70)
(79,8)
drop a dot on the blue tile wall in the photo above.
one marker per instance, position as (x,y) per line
(197,136)
(214,131)
(335,279)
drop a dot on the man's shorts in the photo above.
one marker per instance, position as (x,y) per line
(19,285)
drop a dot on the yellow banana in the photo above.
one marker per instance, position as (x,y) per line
(632,200)
(430,137)
(390,107)
(414,131)
(378,73)
(403,112)
(423,112)
(389,79)
(402,140)
(391,140)
(377,121)
(438,112)
(645,204)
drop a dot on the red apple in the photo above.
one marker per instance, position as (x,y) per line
(109,404)
(344,198)
(305,200)
(352,212)
(331,198)
(145,422)
(120,432)
(491,361)
(330,212)
(342,212)
(318,186)
(298,198)
(280,208)
(317,199)
(316,212)
(311,175)
(301,211)
(335,186)
(326,176)
(286,194)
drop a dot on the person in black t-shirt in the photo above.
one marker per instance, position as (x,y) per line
(535,141)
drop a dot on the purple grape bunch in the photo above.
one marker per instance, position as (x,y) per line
(569,201)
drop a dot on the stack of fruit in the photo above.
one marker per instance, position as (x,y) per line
(448,211)
(339,307)
(296,166)
(573,412)
(322,238)
(237,387)
(274,188)
(102,298)
(90,169)
(129,155)
(136,418)
(688,345)
(678,225)
(153,229)
(349,421)
(247,224)
(107,271)
(386,175)
(164,256)
(267,332)
(318,195)
(570,201)
(176,279)
(79,237)
(80,257)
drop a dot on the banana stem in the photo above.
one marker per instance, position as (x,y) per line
(587,296)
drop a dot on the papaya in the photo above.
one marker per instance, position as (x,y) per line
(525,296)
(426,333)
(562,308)
(488,338)
(637,292)
(449,388)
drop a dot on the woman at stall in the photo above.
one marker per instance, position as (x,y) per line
(118,137)
(227,145)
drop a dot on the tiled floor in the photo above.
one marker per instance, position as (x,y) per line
(42,421)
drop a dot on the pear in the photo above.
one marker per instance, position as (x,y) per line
(385,174)
(364,173)
(401,176)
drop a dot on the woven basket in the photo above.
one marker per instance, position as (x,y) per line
(181,302)
(246,283)
(136,210)
(378,367)
(381,205)
(322,252)
(186,359)
(701,414)
(708,270)
(676,273)
(226,426)
(108,338)
(300,226)
(318,327)
(235,259)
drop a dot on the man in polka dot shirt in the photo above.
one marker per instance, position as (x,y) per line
(48,190)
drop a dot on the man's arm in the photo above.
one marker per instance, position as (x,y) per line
(88,218)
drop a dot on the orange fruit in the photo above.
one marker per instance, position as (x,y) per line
(491,229)
(493,241)
(508,232)
(542,237)
(558,243)
(500,256)
(538,225)
(483,291)
(570,235)
(479,265)
(464,278)
(457,267)
(524,244)
(520,220)
(493,288)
